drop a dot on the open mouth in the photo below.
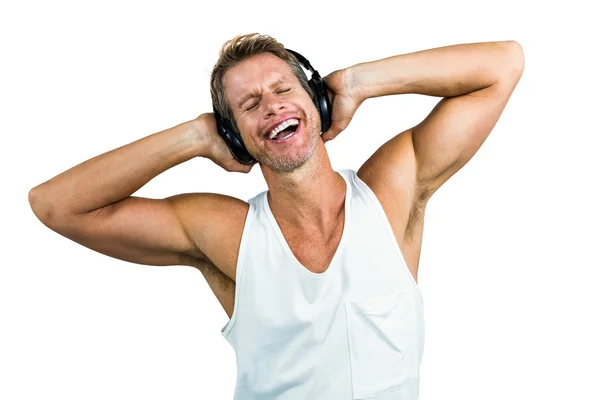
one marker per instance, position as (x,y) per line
(284,131)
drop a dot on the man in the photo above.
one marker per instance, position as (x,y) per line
(319,273)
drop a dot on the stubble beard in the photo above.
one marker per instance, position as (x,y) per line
(290,163)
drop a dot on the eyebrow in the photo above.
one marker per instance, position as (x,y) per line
(254,94)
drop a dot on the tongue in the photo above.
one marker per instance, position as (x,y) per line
(281,135)
(284,132)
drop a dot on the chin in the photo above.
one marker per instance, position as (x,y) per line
(286,164)
(289,163)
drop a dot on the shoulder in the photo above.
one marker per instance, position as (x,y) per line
(192,203)
(215,223)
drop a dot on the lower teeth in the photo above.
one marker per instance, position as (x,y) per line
(291,133)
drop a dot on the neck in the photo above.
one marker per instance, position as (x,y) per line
(311,196)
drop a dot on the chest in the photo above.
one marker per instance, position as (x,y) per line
(312,249)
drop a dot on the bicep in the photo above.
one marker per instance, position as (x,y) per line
(411,166)
(455,130)
(135,229)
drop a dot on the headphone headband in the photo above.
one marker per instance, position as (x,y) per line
(305,63)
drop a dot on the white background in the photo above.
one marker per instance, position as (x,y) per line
(509,266)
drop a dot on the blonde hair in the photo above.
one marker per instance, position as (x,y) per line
(238,49)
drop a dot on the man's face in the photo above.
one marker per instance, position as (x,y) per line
(262,93)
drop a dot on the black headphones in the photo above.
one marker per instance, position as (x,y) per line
(232,137)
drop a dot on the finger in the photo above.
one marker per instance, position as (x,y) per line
(331,96)
(248,168)
(329,135)
(244,168)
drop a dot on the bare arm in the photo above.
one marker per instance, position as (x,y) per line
(476,81)
(91,203)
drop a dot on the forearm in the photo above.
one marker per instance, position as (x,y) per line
(443,72)
(117,174)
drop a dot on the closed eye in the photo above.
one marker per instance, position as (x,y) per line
(255,104)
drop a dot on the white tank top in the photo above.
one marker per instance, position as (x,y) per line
(355,331)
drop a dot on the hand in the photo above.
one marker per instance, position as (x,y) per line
(214,147)
(345,100)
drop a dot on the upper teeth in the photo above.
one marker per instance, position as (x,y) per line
(282,126)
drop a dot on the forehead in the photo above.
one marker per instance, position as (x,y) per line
(253,74)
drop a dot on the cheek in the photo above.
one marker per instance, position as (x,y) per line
(249,132)
(313,113)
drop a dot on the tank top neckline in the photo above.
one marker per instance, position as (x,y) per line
(286,246)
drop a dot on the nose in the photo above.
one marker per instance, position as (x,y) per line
(273,104)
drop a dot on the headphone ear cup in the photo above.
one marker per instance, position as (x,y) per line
(232,139)
(319,88)
(322,102)
(315,89)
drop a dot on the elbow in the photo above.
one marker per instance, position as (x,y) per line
(50,213)
(40,207)
(515,58)
(34,202)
